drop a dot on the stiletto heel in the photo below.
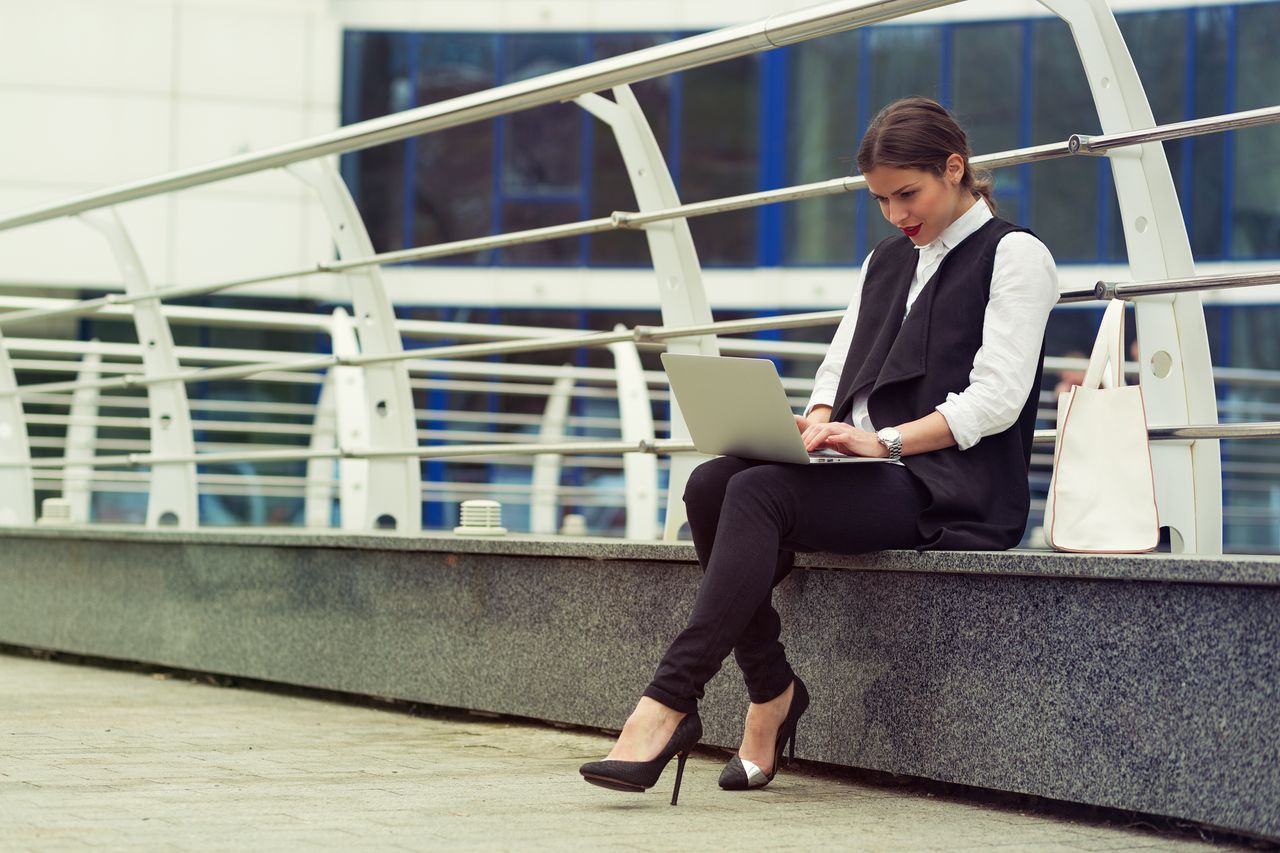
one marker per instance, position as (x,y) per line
(675,792)
(739,775)
(639,776)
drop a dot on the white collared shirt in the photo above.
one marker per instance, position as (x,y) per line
(1024,289)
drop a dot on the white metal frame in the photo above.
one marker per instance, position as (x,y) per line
(172,500)
(1176,370)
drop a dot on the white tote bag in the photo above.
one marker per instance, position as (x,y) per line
(1102,494)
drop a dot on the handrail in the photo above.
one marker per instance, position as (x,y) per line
(1102,144)
(626,220)
(728,43)
(1265,429)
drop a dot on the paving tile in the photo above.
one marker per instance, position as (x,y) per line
(97,759)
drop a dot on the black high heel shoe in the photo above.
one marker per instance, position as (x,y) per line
(639,776)
(739,775)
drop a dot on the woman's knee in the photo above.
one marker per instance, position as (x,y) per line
(707,482)
(765,487)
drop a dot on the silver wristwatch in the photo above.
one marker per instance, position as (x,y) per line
(891,439)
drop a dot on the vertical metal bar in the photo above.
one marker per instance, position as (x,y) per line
(352,424)
(82,434)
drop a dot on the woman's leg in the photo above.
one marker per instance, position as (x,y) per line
(846,508)
(759,653)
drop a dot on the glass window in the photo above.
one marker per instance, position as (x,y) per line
(719,156)
(987,81)
(1064,193)
(1208,153)
(542,151)
(901,61)
(1158,44)
(822,119)
(986,73)
(1255,209)
(610,185)
(377,83)
(520,215)
(453,169)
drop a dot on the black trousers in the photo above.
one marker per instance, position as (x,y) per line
(748,519)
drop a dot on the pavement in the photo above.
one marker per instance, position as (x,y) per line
(95,758)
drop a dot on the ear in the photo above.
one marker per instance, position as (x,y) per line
(955,169)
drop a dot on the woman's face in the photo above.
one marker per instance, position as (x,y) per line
(919,202)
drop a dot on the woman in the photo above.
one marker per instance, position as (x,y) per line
(937,363)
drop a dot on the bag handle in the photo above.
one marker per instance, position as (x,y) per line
(1108,350)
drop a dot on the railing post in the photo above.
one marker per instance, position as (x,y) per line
(172,501)
(640,470)
(393,497)
(545,480)
(675,261)
(342,418)
(1176,371)
(322,473)
(82,436)
(17,488)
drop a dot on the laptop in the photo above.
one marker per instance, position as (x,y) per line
(737,407)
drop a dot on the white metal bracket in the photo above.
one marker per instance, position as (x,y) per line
(675,261)
(393,491)
(1176,371)
(172,501)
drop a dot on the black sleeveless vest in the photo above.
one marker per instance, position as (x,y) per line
(978,498)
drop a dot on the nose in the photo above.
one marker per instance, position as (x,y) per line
(898,213)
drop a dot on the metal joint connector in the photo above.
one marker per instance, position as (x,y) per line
(1105,290)
(1081,143)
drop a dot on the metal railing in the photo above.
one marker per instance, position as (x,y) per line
(578,84)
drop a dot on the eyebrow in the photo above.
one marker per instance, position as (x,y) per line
(898,190)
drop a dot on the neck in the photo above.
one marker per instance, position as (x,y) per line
(967,200)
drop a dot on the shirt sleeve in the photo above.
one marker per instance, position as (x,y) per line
(828,376)
(1024,289)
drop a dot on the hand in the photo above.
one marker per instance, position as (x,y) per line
(840,437)
(819,414)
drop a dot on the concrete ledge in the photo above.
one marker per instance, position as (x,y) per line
(1146,682)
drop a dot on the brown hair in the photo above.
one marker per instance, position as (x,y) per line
(919,133)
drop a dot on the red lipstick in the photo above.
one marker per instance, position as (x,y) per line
(913,230)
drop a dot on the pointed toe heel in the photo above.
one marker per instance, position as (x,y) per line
(741,775)
(640,776)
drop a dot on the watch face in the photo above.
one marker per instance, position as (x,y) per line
(889,434)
